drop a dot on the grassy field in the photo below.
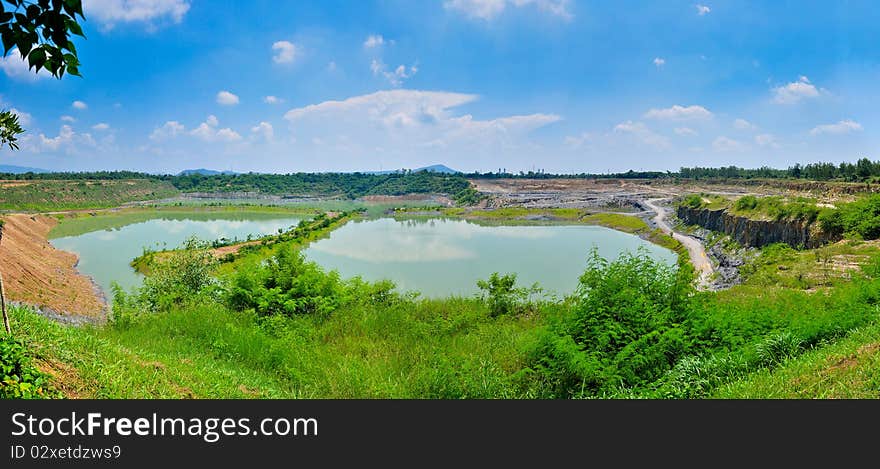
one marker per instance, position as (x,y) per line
(52,195)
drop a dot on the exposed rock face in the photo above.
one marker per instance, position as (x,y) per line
(756,233)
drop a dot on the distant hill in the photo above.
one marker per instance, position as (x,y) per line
(10,169)
(203,172)
(434,168)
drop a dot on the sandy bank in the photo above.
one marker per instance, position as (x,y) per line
(36,273)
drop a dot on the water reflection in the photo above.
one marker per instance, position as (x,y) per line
(440,257)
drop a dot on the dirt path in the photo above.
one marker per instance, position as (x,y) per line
(695,248)
(36,273)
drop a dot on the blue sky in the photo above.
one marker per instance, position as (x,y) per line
(567,86)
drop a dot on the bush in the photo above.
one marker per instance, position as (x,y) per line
(747,202)
(502,295)
(625,328)
(692,201)
(859,220)
(18,378)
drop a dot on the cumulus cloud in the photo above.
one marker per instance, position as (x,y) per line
(168,130)
(677,112)
(395,77)
(272,100)
(490,9)
(727,144)
(208,132)
(111,12)
(373,41)
(842,127)
(226,98)
(703,10)
(67,141)
(79,105)
(285,52)
(264,130)
(795,91)
(66,118)
(659,61)
(685,132)
(15,67)
(742,124)
(643,134)
(102,126)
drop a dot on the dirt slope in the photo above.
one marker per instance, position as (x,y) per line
(36,273)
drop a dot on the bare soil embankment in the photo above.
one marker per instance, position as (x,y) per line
(36,273)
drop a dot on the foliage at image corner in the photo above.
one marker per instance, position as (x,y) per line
(19,379)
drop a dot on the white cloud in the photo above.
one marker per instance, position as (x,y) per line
(67,140)
(265,130)
(703,9)
(208,131)
(489,9)
(226,98)
(409,119)
(659,61)
(727,144)
(285,52)
(795,91)
(396,77)
(24,118)
(111,12)
(15,67)
(643,134)
(101,126)
(742,124)
(677,112)
(766,140)
(228,135)
(68,118)
(842,127)
(272,100)
(686,132)
(168,130)
(374,40)
(80,105)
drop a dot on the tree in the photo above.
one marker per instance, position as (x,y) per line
(41,32)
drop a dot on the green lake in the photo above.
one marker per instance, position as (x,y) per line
(437,257)
(441,257)
(105,255)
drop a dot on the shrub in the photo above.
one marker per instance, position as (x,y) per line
(625,328)
(18,378)
(746,202)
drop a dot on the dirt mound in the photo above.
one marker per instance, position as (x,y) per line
(36,273)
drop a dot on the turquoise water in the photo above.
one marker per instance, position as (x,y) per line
(106,255)
(442,257)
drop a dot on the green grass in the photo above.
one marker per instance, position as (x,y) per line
(50,195)
(448,348)
(846,369)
